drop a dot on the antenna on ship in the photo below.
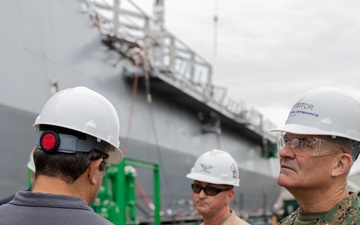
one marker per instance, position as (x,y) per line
(215,28)
(216,18)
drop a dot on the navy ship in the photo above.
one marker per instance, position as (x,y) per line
(170,111)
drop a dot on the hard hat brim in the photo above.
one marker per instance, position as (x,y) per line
(302,129)
(296,129)
(211,180)
(115,156)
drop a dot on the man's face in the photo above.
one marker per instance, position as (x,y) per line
(300,167)
(208,205)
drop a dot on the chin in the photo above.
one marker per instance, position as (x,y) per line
(283,180)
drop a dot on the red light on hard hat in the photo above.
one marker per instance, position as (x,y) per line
(49,141)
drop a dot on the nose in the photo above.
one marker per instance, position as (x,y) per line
(286,152)
(202,194)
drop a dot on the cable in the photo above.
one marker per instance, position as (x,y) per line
(149,98)
(131,112)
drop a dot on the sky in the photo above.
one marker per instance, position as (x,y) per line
(269,53)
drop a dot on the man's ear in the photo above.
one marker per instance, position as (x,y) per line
(93,171)
(230,196)
(342,164)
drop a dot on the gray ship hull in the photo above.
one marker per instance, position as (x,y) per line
(49,45)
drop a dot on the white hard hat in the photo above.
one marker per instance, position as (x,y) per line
(216,167)
(85,111)
(326,111)
(31,164)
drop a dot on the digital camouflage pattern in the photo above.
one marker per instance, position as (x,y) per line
(347,212)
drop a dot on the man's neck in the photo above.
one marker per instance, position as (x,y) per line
(217,218)
(53,185)
(319,201)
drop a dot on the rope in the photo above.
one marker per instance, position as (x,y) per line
(133,98)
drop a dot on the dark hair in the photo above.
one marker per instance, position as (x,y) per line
(66,166)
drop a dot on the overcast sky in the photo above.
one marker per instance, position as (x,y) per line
(269,53)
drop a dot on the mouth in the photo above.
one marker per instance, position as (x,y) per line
(283,166)
(200,203)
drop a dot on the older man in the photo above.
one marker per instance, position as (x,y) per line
(318,146)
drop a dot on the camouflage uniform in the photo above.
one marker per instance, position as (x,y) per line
(347,212)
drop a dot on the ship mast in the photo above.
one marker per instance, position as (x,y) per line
(157,30)
(158,13)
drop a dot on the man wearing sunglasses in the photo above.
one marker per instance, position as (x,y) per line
(77,136)
(317,146)
(215,174)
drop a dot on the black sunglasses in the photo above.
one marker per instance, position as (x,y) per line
(104,165)
(209,190)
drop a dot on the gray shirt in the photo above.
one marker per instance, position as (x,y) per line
(42,209)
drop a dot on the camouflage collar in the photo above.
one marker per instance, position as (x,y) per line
(345,213)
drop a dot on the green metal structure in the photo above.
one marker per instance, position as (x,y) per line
(116,200)
(29,179)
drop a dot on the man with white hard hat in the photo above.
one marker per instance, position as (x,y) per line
(318,146)
(77,137)
(215,174)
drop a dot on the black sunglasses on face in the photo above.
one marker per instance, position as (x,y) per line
(209,190)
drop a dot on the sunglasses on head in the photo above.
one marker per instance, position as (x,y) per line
(209,190)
